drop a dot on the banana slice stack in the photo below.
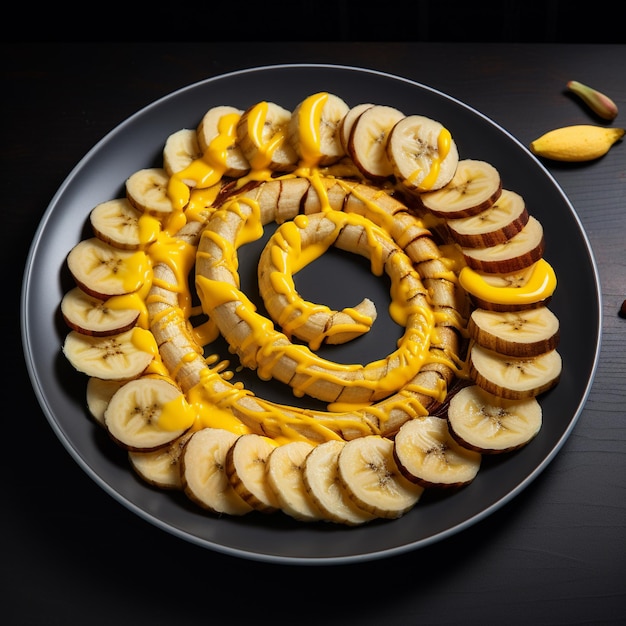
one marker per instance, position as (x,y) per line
(158,282)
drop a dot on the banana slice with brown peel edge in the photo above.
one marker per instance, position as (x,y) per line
(284,475)
(146,190)
(147,413)
(368,472)
(475,186)
(262,135)
(422,153)
(122,356)
(526,333)
(97,395)
(427,454)
(324,487)
(203,475)
(217,139)
(102,270)
(161,468)
(180,151)
(345,127)
(246,468)
(368,141)
(514,377)
(506,217)
(116,222)
(93,316)
(490,424)
(314,130)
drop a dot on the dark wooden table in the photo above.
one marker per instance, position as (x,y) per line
(71,554)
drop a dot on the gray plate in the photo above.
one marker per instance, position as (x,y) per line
(138,143)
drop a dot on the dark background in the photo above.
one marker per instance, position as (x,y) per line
(71,555)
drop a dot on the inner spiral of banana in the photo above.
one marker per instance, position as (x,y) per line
(412,379)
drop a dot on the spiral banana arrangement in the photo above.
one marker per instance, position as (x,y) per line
(158,282)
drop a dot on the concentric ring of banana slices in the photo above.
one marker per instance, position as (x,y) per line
(465,261)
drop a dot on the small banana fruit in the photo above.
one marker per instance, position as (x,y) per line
(428,455)
(490,424)
(598,102)
(581,142)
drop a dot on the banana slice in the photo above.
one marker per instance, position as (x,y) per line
(525,333)
(527,288)
(146,190)
(515,254)
(427,454)
(315,129)
(285,479)
(495,225)
(92,316)
(513,377)
(98,394)
(490,424)
(262,134)
(180,151)
(423,154)
(245,465)
(202,472)
(160,468)
(140,412)
(345,127)
(116,222)
(217,138)
(101,270)
(475,186)
(370,475)
(321,480)
(115,357)
(368,141)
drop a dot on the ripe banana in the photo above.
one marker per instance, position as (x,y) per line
(93,316)
(368,472)
(490,424)
(368,141)
(423,154)
(581,142)
(285,479)
(203,475)
(116,222)
(520,251)
(217,139)
(246,468)
(321,480)
(345,127)
(475,186)
(427,454)
(114,357)
(98,394)
(262,135)
(314,129)
(495,225)
(139,414)
(525,333)
(101,270)
(160,468)
(146,190)
(514,377)
(180,151)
